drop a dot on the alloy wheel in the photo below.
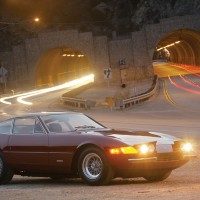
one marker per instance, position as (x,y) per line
(92,166)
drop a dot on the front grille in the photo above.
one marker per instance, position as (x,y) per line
(168,156)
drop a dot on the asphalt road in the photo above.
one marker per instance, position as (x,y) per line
(174,110)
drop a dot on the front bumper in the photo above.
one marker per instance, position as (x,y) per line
(156,159)
(137,167)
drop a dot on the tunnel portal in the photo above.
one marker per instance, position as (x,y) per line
(60,65)
(181,47)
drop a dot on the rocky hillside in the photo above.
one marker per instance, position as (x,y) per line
(98,16)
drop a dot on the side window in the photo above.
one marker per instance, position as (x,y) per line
(38,128)
(24,125)
(6,127)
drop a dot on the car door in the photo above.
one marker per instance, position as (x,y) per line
(28,145)
(61,151)
(5,131)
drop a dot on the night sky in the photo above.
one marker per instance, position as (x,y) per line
(49,10)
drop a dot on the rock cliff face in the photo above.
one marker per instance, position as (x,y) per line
(98,16)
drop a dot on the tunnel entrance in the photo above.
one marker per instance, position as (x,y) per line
(60,65)
(179,47)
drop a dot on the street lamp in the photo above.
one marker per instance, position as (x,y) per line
(36,19)
(7,24)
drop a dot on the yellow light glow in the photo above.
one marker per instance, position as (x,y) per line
(129,150)
(187,147)
(36,19)
(80,56)
(169,45)
(123,150)
(115,151)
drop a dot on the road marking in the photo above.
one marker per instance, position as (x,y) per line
(173,103)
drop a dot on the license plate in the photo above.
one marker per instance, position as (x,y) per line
(164,148)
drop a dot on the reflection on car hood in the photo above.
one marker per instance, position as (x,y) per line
(137,137)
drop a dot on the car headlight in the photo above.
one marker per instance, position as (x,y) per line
(186,147)
(139,149)
(146,148)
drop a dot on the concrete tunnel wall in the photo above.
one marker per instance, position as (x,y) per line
(102,52)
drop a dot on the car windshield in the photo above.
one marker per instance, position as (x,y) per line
(60,123)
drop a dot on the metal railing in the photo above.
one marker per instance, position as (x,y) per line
(122,104)
(78,102)
(74,102)
(129,102)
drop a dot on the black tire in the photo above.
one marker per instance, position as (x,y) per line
(94,168)
(6,174)
(157,176)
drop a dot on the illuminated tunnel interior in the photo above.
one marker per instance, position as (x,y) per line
(181,47)
(60,65)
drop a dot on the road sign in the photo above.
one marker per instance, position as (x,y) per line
(107,74)
(122,61)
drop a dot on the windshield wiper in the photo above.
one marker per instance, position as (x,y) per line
(84,127)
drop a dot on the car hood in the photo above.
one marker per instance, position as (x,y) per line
(137,137)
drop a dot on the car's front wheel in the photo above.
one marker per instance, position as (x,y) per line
(157,176)
(93,167)
(6,174)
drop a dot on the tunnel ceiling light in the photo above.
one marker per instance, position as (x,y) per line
(80,55)
(70,53)
(169,45)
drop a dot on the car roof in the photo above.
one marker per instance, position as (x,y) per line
(40,114)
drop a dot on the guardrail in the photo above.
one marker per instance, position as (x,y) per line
(77,102)
(129,102)
(118,104)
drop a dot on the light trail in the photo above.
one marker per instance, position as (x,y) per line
(189,82)
(173,103)
(183,88)
(75,83)
(191,67)
(71,85)
(3,100)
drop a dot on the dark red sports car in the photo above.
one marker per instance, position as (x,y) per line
(61,145)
